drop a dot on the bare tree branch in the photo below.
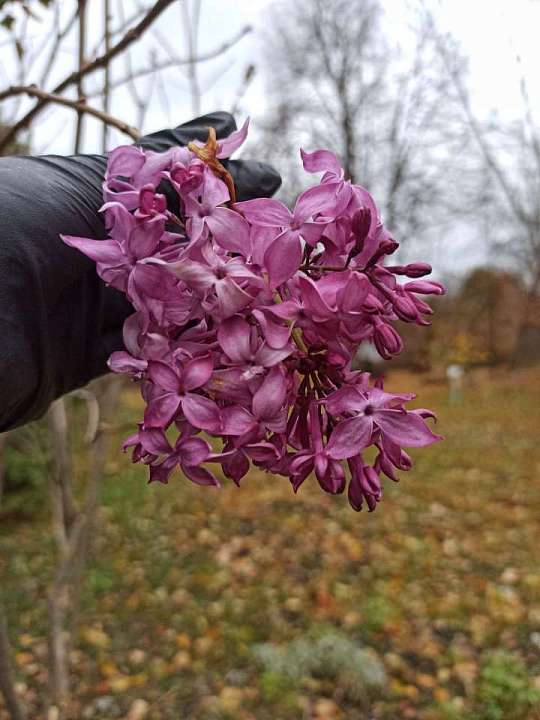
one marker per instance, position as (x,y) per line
(53,54)
(107,74)
(7,680)
(191,30)
(177,61)
(73,553)
(247,79)
(46,97)
(100,62)
(80,90)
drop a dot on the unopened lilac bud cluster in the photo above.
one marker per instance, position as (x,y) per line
(247,319)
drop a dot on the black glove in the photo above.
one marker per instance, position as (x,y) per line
(58,321)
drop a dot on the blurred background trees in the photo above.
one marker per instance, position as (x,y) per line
(391,112)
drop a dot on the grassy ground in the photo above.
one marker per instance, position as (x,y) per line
(254,603)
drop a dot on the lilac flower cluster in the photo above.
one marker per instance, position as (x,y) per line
(248,317)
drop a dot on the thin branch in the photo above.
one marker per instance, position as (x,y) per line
(107,74)
(46,98)
(73,553)
(120,29)
(7,679)
(53,54)
(178,61)
(80,89)
(474,125)
(100,62)
(191,29)
(140,103)
(247,78)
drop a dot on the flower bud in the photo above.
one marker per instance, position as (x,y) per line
(425,287)
(413,270)
(405,309)
(387,338)
(360,224)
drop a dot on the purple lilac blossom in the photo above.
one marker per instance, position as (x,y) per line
(247,320)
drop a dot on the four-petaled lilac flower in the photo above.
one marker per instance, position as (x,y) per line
(188,453)
(204,208)
(376,410)
(284,255)
(178,382)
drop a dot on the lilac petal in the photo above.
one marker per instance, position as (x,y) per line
(405,428)
(196,275)
(346,399)
(354,494)
(283,257)
(197,372)
(230,385)
(164,376)
(269,398)
(301,466)
(201,412)
(133,327)
(233,142)
(265,212)
(320,199)
(236,466)
(123,362)
(161,410)
(234,336)
(195,226)
(425,287)
(349,437)
(321,161)
(231,297)
(425,413)
(268,357)
(107,252)
(312,299)
(275,333)
(125,160)
(351,297)
(194,451)
(261,238)
(145,237)
(150,280)
(237,420)
(154,441)
(118,221)
(333,480)
(312,231)
(230,230)
(321,465)
(287,310)
(262,452)
(161,473)
(200,475)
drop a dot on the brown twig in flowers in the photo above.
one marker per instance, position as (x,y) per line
(207,153)
(78,105)
(74,77)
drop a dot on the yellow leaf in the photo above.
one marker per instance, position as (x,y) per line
(96,637)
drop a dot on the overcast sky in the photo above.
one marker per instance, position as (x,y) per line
(492,33)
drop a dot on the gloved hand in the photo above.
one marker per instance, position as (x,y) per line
(58,321)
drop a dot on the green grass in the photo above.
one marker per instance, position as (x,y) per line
(441,585)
